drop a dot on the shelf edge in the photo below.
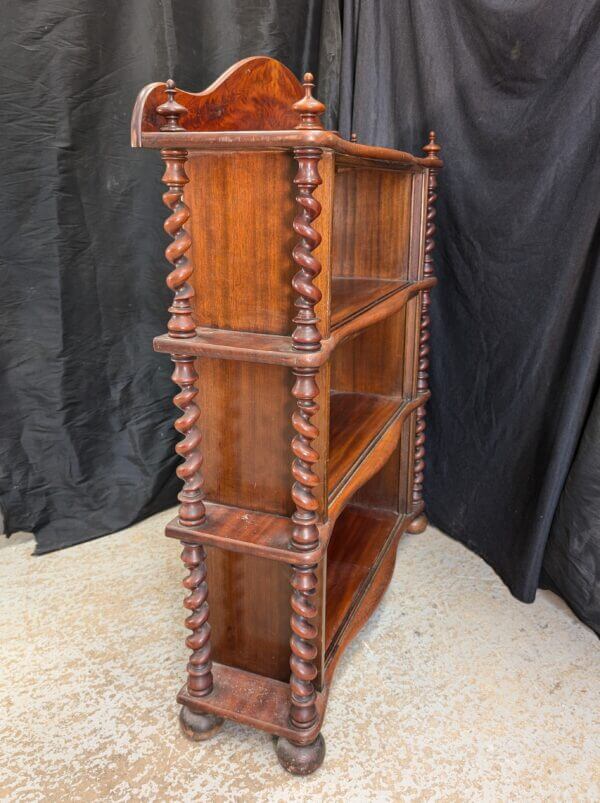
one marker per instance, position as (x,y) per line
(231,344)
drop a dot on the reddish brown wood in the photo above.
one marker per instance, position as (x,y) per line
(257,93)
(354,154)
(419,524)
(365,602)
(253,700)
(357,419)
(306,336)
(352,296)
(266,188)
(200,680)
(181,323)
(305,537)
(357,541)
(191,508)
(279,349)
(308,107)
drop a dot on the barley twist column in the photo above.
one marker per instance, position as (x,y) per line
(192,512)
(296,758)
(432,150)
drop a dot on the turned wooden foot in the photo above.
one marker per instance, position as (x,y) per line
(300,759)
(418,525)
(198,727)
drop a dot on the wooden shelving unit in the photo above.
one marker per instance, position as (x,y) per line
(301,272)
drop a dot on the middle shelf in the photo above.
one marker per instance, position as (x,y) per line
(356,421)
(365,429)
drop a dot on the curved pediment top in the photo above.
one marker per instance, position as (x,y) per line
(256,94)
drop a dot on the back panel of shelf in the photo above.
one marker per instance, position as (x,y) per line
(371,222)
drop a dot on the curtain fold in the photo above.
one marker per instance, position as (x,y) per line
(86,430)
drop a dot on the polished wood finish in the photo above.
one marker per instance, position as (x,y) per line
(357,541)
(301,270)
(279,350)
(350,296)
(306,337)
(257,93)
(254,700)
(431,149)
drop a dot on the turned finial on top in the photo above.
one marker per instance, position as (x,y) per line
(171,110)
(353,137)
(309,107)
(432,149)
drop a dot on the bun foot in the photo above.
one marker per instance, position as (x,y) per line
(300,759)
(198,727)
(418,525)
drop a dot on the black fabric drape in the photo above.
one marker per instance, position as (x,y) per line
(510,88)
(86,421)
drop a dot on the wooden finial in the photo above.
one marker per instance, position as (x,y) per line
(353,137)
(308,107)
(432,149)
(171,110)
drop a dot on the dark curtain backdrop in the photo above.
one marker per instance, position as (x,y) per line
(513,465)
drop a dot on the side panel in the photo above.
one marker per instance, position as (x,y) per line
(242,211)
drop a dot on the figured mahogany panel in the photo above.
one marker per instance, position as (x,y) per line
(255,94)
(371,222)
(242,207)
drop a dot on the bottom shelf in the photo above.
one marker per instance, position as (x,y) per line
(359,541)
(253,700)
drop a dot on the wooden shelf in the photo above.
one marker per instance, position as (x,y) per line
(356,304)
(357,422)
(253,700)
(277,435)
(351,295)
(358,540)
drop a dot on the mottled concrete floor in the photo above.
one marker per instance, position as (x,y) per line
(453,691)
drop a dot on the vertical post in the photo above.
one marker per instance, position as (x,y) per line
(191,509)
(303,759)
(419,524)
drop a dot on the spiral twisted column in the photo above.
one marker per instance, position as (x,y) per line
(431,149)
(200,680)
(181,323)
(306,335)
(191,509)
(305,537)
(305,534)
(194,724)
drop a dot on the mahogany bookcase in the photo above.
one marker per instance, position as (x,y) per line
(301,270)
